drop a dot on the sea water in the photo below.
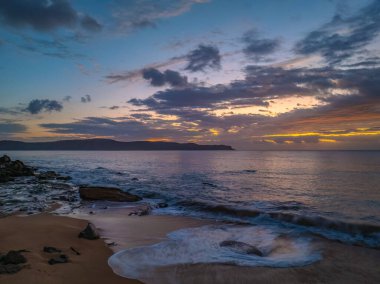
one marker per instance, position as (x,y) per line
(273,200)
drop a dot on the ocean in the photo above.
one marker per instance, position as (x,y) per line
(332,194)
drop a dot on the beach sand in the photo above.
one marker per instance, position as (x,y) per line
(34,232)
(340,264)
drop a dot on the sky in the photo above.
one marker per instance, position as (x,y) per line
(253,74)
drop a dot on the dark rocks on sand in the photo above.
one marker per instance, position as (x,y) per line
(10,268)
(89,233)
(13,257)
(51,250)
(241,247)
(141,211)
(59,259)
(11,262)
(106,193)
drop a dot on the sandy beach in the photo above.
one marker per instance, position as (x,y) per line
(340,264)
(32,233)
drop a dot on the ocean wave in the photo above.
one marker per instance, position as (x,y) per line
(205,245)
(349,232)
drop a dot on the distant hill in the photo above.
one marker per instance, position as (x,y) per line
(105,145)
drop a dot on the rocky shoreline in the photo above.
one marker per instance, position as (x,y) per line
(26,190)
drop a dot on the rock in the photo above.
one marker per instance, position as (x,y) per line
(47,175)
(162,205)
(51,250)
(64,178)
(10,169)
(89,233)
(141,211)
(106,193)
(241,247)
(5,159)
(10,268)
(60,259)
(209,184)
(13,257)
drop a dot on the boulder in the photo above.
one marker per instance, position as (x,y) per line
(59,259)
(10,268)
(241,247)
(5,159)
(89,233)
(13,257)
(10,169)
(106,193)
(51,250)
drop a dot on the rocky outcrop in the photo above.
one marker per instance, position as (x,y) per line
(51,175)
(106,193)
(241,247)
(10,169)
(89,233)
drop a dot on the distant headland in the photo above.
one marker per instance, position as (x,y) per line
(105,145)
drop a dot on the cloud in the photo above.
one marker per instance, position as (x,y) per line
(138,73)
(203,57)
(10,111)
(90,24)
(67,98)
(114,107)
(122,128)
(136,14)
(37,106)
(158,78)
(256,47)
(342,37)
(11,128)
(44,15)
(85,99)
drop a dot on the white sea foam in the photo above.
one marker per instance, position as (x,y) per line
(202,245)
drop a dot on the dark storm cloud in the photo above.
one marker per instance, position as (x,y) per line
(85,99)
(257,47)
(37,106)
(158,78)
(44,15)
(202,58)
(342,37)
(10,128)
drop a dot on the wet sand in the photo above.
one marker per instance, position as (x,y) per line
(340,264)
